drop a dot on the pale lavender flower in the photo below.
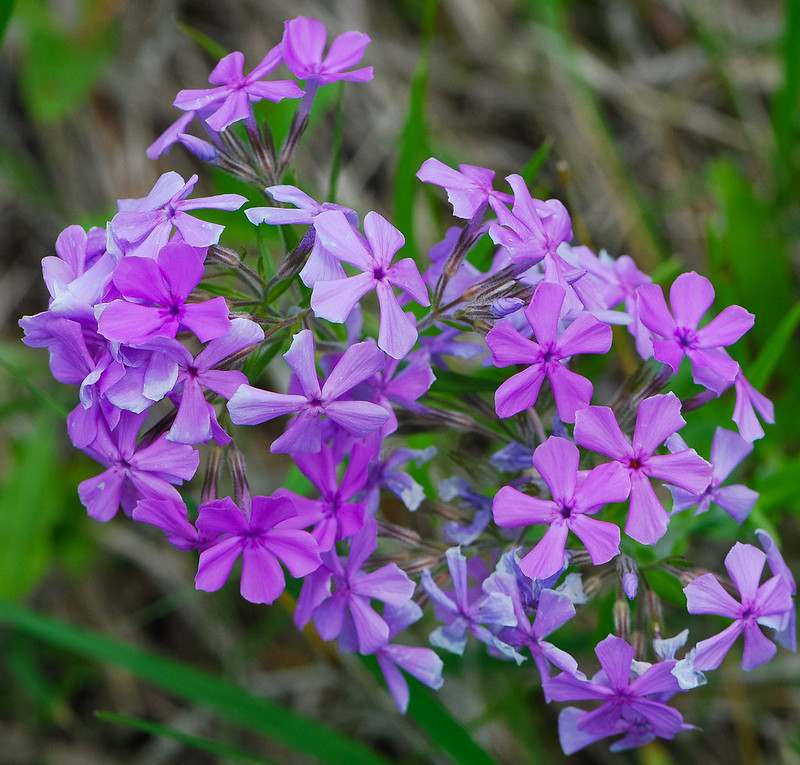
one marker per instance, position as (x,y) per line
(546,358)
(575,499)
(235,92)
(767,605)
(512,458)
(372,254)
(465,534)
(748,402)
(252,406)
(657,418)
(386,473)
(339,594)
(143,226)
(264,537)
(676,334)
(468,189)
(728,449)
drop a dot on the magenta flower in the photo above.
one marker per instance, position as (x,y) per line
(252,406)
(372,254)
(132,471)
(235,92)
(676,334)
(338,596)
(574,500)
(334,515)
(657,418)
(154,295)
(468,189)
(632,700)
(321,265)
(546,358)
(143,226)
(421,663)
(304,45)
(728,449)
(264,539)
(768,605)
(748,402)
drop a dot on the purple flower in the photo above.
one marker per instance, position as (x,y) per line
(154,295)
(676,334)
(574,500)
(394,387)
(546,358)
(169,515)
(468,610)
(232,98)
(631,703)
(321,265)
(334,515)
(264,538)
(421,663)
(133,471)
(303,47)
(143,226)
(175,133)
(533,229)
(465,534)
(251,406)
(727,450)
(657,418)
(768,605)
(468,189)
(338,595)
(372,254)
(748,402)
(787,635)
(386,473)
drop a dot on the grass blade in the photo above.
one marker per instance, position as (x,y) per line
(230,702)
(764,365)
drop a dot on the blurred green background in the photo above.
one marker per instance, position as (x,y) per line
(669,127)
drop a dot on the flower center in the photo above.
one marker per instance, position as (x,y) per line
(378,273)
(566,508)
(686,337)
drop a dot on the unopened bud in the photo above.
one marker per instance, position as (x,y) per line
(622,618)
(211,479)
(629,576)
(241,487)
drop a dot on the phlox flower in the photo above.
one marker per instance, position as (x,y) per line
(465,533)
(786,635)
(748,402)
(386,473)
(468,189)
(170,516)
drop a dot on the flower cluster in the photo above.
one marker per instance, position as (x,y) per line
(166,357)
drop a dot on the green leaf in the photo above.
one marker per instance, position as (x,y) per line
(6,10)
(257,361)
(786,111)
(218,748)
(338,143)
(454,382)
(208,44)
(230,702)
(766,361)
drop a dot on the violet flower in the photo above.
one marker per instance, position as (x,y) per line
(768,605)
(264,538)
(386,473)
(321,265)
(154,295)
(235,92)
(421,663)
(372,254)
(657,418)
(170,516)
(676,334)
(466,533)
(546,358)
(574,500)
(143,226)
(786,635)
(631,705)
(252,406)
(748,402)
(468,189)
(133,471)
(304,45)
(728,449)
(338,595)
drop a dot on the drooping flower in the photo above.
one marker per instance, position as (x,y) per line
(468,189)
(321,265)
(252,406)
(574,501)
(657,418)
(632,703)
(372,254)
(338,595)
(787,634)
(169,515)
(154,299)
(143,226)
(133,471)
(421,663)
(768,605)
(748,402)
(335,515)
(304,45)
(264,538)
(547,356)
(468,610)
(728,449)
(235,92)
(676,334)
